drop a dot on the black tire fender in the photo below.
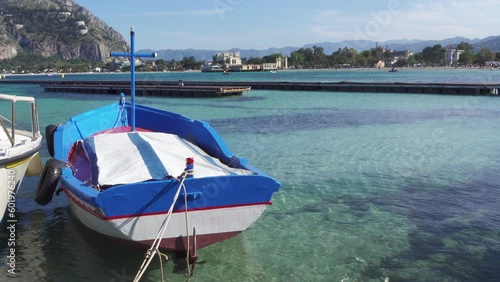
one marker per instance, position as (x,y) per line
(49,138)
(48,181)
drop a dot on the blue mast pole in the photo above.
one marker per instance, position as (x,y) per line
(132,55)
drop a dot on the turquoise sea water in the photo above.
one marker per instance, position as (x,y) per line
(404,186)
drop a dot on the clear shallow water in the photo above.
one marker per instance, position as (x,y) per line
(374,186)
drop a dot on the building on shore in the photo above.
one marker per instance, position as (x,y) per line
(269,66)
(231,61)
(380,64)
(251,67)
(282,63)
(493,64)
(401,55)
(452,56)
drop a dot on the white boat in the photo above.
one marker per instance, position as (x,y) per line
(211,68)
(19,148)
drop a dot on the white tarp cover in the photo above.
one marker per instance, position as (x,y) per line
(129,157)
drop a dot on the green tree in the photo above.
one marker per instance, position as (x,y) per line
(319,57)
(415,59)
(298,58)
(254,61)
(466,58)
(434,55)
(271,58)
(401,62)
(484,55)
(466,46)
(190,63)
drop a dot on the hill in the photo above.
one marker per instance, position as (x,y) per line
(59,28)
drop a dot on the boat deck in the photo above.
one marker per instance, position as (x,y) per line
(5,142)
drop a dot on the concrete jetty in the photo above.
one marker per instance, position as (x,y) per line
(220,88)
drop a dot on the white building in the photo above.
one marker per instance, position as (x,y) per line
(269,66)
(495,64)
(282,62)
(229,59)
(452,56)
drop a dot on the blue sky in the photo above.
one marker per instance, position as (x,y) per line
(259,24)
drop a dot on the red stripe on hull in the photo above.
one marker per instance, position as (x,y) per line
(77,201)
(87,209)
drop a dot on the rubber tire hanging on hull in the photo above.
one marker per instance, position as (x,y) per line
(49,137)
(48,181)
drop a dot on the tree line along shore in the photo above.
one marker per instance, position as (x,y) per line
(303,58)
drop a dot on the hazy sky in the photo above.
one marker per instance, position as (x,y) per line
(258,24)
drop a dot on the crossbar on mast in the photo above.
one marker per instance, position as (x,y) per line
(132,55)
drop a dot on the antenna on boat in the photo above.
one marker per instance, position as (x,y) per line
(132,55)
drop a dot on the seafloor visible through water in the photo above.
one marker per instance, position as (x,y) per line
(404,186)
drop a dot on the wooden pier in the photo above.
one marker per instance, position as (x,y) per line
(149,90)
(219,88)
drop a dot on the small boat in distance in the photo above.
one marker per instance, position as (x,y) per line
(19,154)
(211,68)
(393,70)
(148,176)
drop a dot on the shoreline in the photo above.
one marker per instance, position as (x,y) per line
(4,76)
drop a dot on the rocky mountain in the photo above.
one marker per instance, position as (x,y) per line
(416,46)
(55,28)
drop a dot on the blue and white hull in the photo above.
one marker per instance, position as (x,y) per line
(121,183)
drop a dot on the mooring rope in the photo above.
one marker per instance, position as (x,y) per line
(188,249)
(150,253)
(120,116)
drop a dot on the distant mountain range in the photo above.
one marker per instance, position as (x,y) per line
(492,42)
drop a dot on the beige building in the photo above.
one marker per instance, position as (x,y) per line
(251,67)
(282,63)
(269,66)
(380,64)
(230,59)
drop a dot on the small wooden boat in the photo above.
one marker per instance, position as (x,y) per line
(143,175)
